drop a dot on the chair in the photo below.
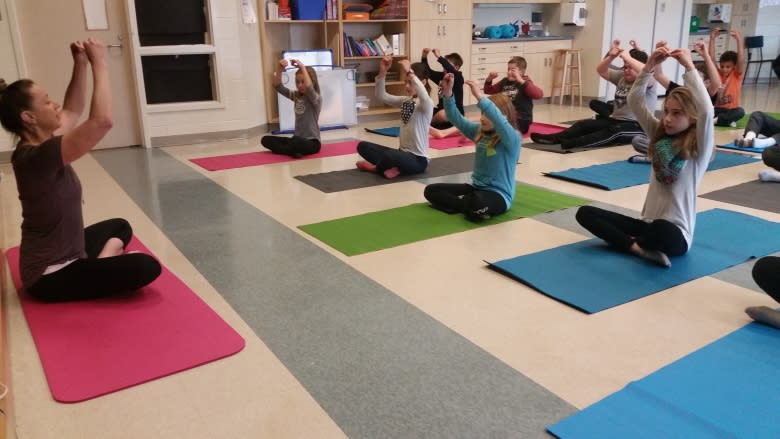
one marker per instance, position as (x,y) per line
(751,44)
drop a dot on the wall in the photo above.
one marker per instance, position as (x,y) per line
(768,25)
(240,72)
(593,39)
(239,65)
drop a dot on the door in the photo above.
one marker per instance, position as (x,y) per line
(9,67)
(48,63)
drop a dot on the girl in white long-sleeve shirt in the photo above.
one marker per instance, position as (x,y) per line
(411,157)
(681,146)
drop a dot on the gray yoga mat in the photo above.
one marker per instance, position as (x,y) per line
(755,194)
(338,181)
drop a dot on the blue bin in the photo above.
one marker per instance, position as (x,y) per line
(308,9)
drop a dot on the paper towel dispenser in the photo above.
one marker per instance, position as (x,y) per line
(574,14)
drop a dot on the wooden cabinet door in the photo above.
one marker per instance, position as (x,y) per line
(440,10)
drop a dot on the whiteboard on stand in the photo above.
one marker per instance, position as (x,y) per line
(337,89)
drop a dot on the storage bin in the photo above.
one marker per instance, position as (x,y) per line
(308,9)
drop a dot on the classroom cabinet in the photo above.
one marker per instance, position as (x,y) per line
(443,25)
(539,55)
(440,9)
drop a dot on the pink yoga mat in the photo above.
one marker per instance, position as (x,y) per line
(450,142)
(460,140)
(91,348)
(543,128)
(258,158)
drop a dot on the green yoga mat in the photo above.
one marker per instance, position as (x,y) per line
(742,123)
(373,231)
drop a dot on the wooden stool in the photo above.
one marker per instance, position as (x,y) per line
(566,62)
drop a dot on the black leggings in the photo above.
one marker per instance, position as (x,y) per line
(385,158)
(293,146)
(94,277)
(771,157)
(727,115)
(598,132)
(766,273)
(622,231)
(466,199)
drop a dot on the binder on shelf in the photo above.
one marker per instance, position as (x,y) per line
(384,46)
(399,43)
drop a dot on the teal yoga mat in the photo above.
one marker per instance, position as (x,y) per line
(389,131)
(727,389)
(590,276)
(734,147)
(622,174)
(416,222)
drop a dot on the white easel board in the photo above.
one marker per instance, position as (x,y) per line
(337,88)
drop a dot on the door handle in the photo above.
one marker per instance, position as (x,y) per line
(114,45)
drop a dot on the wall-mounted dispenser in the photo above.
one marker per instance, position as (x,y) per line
(574,14)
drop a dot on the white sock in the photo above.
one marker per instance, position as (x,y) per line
(763,143)
(769,175)
(749,135)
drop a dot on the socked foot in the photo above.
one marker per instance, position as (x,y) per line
(765,315)
(654,256)
(365,166)
(391,173)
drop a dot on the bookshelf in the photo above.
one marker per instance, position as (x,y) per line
(279,35)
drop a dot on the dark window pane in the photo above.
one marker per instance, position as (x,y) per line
(170,22)
(177,78)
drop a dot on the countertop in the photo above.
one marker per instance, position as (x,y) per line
(509,40)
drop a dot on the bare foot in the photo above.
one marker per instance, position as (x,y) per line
(365,166)
(113,247)
(391,173)
(655,256)
(435,133)
(765,315)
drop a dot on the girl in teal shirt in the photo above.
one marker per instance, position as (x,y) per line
(492,187)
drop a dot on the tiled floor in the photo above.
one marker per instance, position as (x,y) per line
(419,340)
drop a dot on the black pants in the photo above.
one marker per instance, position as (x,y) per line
(771,156)
(622,231)
(94,277)
(766,273)
(524,125)
(598,132)
(466,199)
(293,146)
(601,108)
(762,123)
(385,158)
(726,116)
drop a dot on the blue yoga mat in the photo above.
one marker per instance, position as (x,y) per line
(727,389)
(739,148)
(592,277)
(622,174)
(389,131)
